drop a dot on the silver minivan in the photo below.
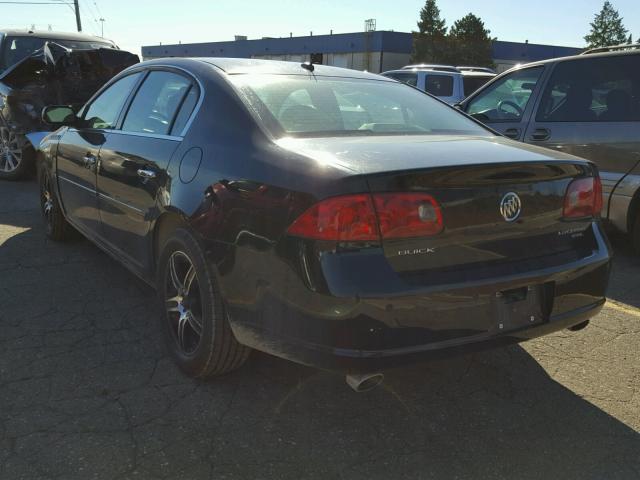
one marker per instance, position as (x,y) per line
(586,105)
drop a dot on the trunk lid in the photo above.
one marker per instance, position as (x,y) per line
(482,227)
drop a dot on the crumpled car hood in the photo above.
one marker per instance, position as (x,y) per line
(55,75)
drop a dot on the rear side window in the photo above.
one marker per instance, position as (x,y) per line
(506,99)
(408,78)
(156,103)
(594,90)
(188,105)
(439,85)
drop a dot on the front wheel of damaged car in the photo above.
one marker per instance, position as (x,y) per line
(16,155)
(194,317)
(56,226)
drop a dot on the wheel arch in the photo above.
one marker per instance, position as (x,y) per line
(633,214)
(163,227)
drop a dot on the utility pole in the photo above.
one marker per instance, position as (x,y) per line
(102,23)
(78,22)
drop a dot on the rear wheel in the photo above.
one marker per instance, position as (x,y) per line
(16,155)
(194,317)
(635,234)
(56,226)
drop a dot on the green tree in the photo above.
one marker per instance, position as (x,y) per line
(430,39)
(607,28)
(470,42)
(430,22)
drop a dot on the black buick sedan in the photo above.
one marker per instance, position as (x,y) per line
(331,217)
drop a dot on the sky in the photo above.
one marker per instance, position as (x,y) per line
(133,23)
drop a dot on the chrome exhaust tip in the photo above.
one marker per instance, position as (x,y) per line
(363,382)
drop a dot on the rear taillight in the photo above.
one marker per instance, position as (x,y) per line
(345,219)
(403,215)
(354,218)
(583,198)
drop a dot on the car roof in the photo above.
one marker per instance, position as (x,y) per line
(236,66)
(54,35)
(578,58)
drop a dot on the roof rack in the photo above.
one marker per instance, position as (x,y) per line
(613,48)
(476,69)
(430,66)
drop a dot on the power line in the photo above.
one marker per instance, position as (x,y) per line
(88,11)
(98,8)
(37,3)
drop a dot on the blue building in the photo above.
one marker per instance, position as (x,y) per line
(375,51)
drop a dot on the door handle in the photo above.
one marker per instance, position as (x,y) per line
(541,134)
(146,174)
(512,133)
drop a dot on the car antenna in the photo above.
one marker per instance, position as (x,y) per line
(308,66)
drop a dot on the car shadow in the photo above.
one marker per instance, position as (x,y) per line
(86,385)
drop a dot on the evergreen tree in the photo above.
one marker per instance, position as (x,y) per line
(607,28)
(430,22)
(430,39)
(470,41)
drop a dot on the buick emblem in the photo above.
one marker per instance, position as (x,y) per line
(510,207)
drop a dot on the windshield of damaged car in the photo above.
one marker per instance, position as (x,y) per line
(319,106)
(18,48)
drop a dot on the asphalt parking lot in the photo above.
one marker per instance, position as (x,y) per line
(87,391)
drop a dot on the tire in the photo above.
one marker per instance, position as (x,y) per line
(635,234)
(16,155)
(56,226)
(194,318)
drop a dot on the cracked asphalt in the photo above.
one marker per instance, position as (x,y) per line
(87,390)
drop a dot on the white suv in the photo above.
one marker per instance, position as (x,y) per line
(453,89)
(444,83)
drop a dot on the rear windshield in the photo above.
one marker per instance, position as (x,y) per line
(15,49)
(297,105)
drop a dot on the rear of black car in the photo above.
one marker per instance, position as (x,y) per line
(425,263)
(435,242)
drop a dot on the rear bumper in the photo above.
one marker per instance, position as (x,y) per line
(350,360)
(368,331)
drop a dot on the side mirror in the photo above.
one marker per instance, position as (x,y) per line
(59,115)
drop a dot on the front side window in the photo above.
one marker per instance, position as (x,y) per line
(506,99)
(296,105)
(593,90)
(156,103)
(105,109)
(439,85)
(405,77)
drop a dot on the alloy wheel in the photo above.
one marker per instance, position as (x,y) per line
(46,199)
(10,150)
(183,302)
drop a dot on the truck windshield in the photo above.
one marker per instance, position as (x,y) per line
(16,48)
